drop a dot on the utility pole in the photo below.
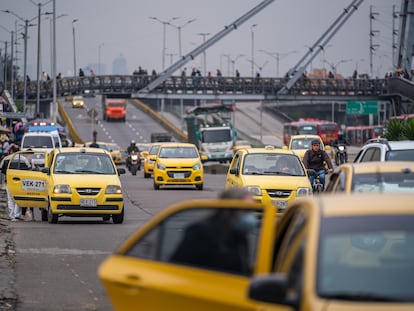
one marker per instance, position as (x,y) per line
(372,47)
(394,35)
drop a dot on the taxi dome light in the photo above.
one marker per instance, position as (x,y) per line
(269,147)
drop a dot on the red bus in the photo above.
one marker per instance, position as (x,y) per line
(327,130)
(358,135)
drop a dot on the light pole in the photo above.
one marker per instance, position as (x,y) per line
(99,58)
(74,47)
(334,66)
(233,62)
(324,57)
(252,35)
(179,27)
(204,35)
(278,56)
(164,23)
(228,63)
(12,56)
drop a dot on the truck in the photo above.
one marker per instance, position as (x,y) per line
(114,109)
(210,129)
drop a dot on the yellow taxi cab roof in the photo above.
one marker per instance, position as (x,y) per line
(177,144)
(380,167)
(267,149)
(82,149)
(365,203)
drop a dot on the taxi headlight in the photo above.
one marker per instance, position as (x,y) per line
(197,166)
(61,189)
(160,166)
(302,192)
(113,189)
(255,190)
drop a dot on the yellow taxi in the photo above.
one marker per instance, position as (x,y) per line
(341,252)
(150,269)
(301,143)
(116,153)
(178,164)
(77,102)
(330,252)
(241,144)
(272,175)
(388,176)
(149,162)
(73,182)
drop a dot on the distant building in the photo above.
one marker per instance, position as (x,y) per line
(119,66)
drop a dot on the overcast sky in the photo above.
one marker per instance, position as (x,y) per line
(123,28)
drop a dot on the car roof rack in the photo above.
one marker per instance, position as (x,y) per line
(380,140)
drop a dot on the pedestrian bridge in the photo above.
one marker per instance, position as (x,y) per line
(130,86)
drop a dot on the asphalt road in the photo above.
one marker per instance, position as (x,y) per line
(56,265)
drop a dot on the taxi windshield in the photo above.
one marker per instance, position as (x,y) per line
(83,163)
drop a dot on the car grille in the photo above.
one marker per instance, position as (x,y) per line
(281,194)
(88,191)
(186,173)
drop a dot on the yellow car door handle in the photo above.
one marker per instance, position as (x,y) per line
(16,178)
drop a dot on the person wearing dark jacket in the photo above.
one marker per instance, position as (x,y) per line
(315,158)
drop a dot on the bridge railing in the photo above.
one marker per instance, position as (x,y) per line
(128,84)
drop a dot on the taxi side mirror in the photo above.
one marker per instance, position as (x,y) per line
(45,170)
(153,157)
(121,170)
(204,158)
(271,288)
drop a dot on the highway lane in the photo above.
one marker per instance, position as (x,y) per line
(56,265)
(138,126)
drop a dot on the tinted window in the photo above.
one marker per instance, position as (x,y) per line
(198,237)
(216,136)
(400,155)
(38,142)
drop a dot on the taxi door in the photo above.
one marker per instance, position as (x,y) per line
(151,270)
(26,183)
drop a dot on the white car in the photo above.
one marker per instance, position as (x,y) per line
(380,149)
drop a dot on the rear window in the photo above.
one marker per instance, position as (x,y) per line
(37,142)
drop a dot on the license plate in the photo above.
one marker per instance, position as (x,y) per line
(280,204)
(33,185)
(179,175)
(88,202)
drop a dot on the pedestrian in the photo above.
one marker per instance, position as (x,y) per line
(15,212)
(81,73)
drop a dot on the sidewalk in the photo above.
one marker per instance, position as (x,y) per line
(8,297)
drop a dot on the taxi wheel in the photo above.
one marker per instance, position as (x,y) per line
(156,187)
(106,217)
(199,187)
(147,175)
(44,214)
(51,217)
(118,218)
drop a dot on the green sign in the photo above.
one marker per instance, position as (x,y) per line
(362,107)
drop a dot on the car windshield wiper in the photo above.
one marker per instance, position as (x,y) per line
(89,171)
(64,172)
(360,296)
(276,173)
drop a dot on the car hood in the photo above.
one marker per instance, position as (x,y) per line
(86,180)
(273,181)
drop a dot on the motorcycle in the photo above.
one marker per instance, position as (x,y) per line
(341,155)
(134,162)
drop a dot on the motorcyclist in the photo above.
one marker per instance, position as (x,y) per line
(131,148)
(315,159)
(341,141)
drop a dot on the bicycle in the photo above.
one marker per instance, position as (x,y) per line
(317,186)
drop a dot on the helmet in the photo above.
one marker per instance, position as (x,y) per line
(315,142)
(132,142)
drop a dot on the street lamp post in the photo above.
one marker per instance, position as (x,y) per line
(74,47)
(179,27)
(252,35)
(164,23)
(99,58)
(233,62)
(204,35)
(278,56)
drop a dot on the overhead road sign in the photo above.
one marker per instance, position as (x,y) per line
(362,107)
